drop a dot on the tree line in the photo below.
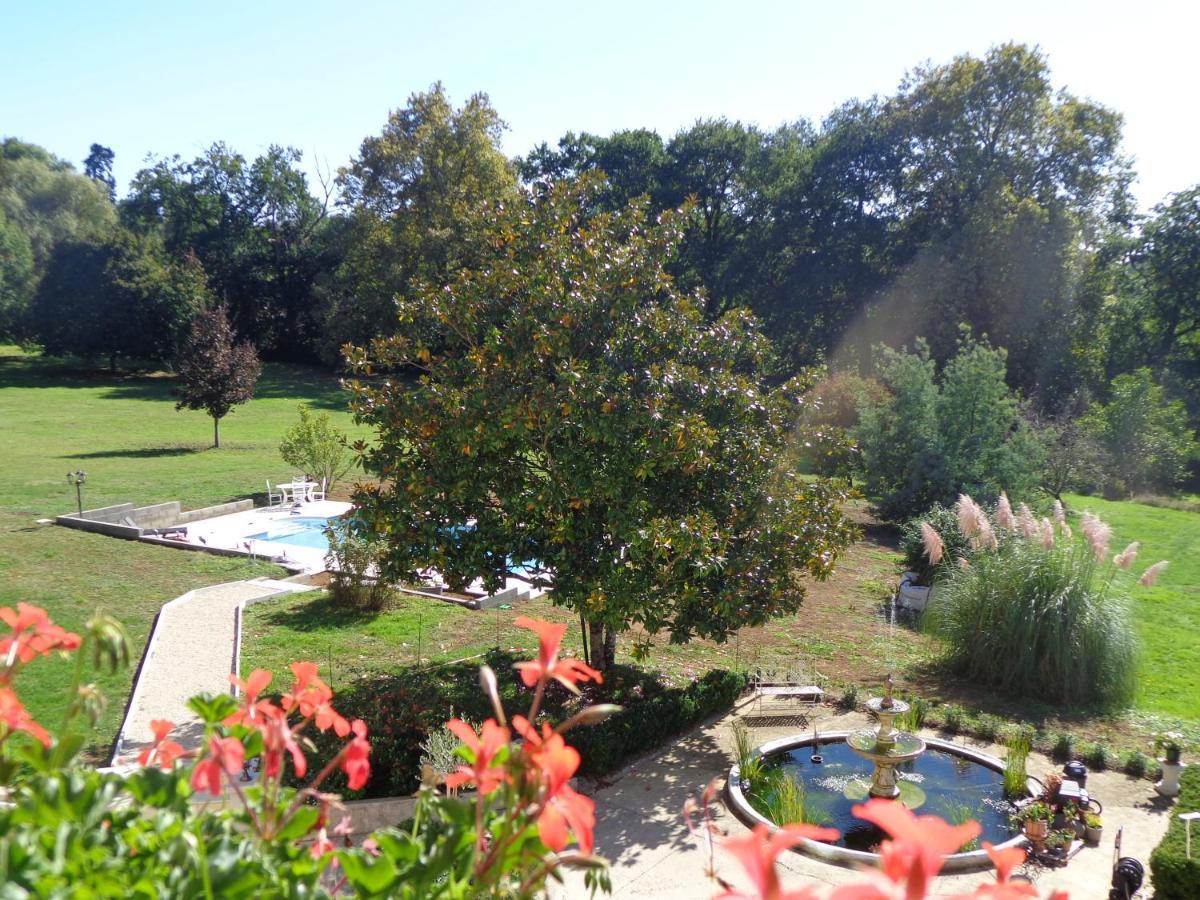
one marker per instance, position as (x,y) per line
(976,194)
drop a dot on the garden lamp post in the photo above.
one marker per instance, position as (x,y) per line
(77,479)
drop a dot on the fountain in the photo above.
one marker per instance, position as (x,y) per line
(884,746)
(938,777)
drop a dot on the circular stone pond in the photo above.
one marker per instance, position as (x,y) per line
(952,782)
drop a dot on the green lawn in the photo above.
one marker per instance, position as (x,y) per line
(1167,615)
(124,431)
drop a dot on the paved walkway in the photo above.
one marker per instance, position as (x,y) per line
(191,651)
(640,830)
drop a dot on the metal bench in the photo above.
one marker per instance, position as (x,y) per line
(787,686)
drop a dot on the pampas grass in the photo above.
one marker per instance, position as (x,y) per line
(1038,617)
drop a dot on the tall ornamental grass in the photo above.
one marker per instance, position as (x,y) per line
(1032,611)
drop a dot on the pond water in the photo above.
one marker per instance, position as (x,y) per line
(935,783)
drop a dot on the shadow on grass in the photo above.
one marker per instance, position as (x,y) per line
(144,453)
(322,613)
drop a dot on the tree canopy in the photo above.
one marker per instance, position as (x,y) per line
(216,372)
(574,406)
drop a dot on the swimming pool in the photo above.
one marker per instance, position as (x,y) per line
(302,531)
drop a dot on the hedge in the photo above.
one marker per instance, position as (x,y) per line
(402,708)
(1175,876)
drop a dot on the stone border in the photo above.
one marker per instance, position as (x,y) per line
(842,856)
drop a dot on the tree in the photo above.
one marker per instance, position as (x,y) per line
(99,167)
(410,196)
(574,406)
(43,201)
(1146,438)
(123,297)
(936,436)
(256,229)
(316,447)
(216,373)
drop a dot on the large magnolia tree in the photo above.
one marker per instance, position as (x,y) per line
(577,408)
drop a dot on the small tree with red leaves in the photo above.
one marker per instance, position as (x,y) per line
(217,372)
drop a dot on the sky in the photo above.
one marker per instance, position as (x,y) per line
(172,77)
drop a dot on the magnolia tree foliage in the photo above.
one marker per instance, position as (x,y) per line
(217,374)
(574,405)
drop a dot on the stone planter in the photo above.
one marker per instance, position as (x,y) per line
(1093,835)
(1168,785)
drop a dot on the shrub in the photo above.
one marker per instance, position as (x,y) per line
(1175,876)
(1135,763)
(1096,757)
(954,718)
(315,447)
(353,561)
(1019,741)
(914,719)
(1064,747)
(404,708)
(987,727)
(1036,616)
(944,520)
(849,699)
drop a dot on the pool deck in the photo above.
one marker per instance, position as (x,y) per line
(231,534)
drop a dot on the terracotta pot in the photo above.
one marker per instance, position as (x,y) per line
(1037,829)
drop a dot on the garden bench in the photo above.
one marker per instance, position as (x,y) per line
(786,686)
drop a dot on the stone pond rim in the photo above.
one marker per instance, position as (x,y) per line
(971,860)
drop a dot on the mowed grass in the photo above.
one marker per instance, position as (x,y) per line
(1167,615)
(124,431)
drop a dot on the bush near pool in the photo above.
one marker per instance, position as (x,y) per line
(402,708)
(1175,876)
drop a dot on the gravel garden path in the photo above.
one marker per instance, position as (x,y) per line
(192,649)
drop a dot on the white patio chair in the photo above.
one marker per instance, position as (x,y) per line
(300,487)
(273,499)
(317,491)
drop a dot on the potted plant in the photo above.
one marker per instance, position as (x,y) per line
(1168,750)
(1094,827)
(1058,843)
(1034,819)
(1069,817)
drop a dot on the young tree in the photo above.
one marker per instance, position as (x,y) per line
(575,406)
(315,446)
(217,374)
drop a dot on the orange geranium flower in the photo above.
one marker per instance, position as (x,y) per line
(564,809)
(919,844)
(1005,861)
(757,852)
(224,755)
(15,717)
(279,738)
(33,634)
(162,753)
(311,696)
(484,747)
(354,757)
(568,671)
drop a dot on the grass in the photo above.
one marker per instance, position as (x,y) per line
(1166,616)
(124,431)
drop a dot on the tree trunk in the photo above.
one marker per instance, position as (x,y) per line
(610,647)
(216,432)
(596,645)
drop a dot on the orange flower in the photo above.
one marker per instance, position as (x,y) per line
(564,808)
(566,671)
(33,634)
(757,852)
(919,844)
(277,738)
(224,755)
(484,747)
(354,757)
(14,717)
(252,686)
(311,696)
(1003,889)
(163,753)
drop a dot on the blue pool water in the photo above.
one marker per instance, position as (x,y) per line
(302,531)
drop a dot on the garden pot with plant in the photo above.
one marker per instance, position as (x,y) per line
(1094,828)
(1169,752)
(1058,844)
(1035,821)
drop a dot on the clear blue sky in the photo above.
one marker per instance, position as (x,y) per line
(173,76)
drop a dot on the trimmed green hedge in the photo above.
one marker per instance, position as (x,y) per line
(1175,876)
(402,708)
